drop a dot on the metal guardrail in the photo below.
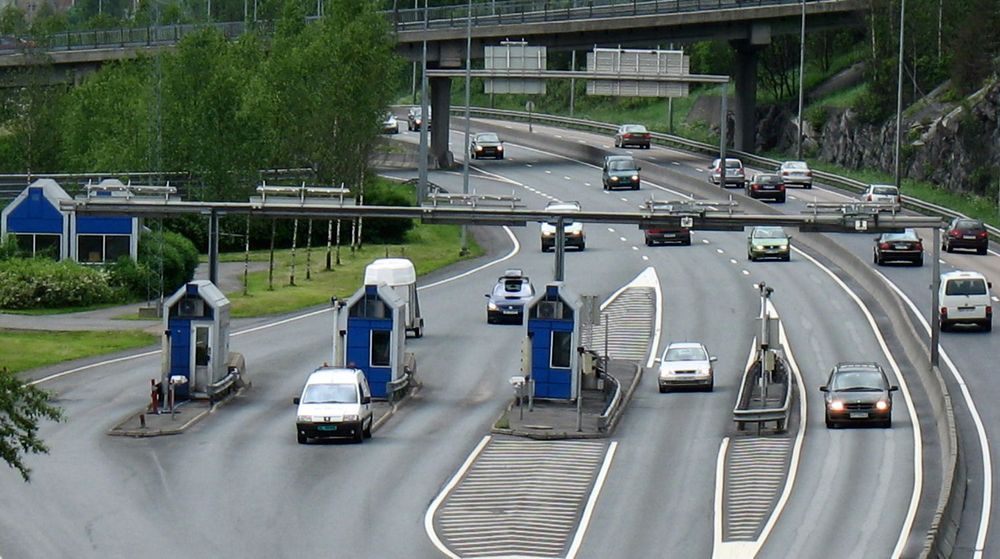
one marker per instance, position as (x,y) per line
(409,19)
(743,414)
(831,179)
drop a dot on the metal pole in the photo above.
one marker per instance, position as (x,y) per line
(413,82)
(579,400)
(246,259)
(465,168)
(560,246)
(572,83)
(935,285)
(213,247)
(899,87)
(422,164)
(722,134)
(802,73)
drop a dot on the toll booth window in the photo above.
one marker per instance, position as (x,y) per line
(90,248)
(380,348)
(38,245)
(562,344)
(369,306)
(116,246)
(201,350)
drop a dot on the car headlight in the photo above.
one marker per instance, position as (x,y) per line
(548,233)
(479,148)
(499,148)
(491,306)
(351,417)
(635,177)
(836,405)
(574,233)
(782,247)
(309,419)
(614,178)
(882,405)
(418,122)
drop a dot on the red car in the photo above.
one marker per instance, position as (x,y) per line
(632,135)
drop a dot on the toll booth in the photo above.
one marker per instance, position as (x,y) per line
(37,222)
(553,331)
(370,335)
(105,238)
(196,341)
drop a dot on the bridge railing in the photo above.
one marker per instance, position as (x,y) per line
(752,160)
(410,19)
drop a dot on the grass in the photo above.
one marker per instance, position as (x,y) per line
(430,247)
(23,350)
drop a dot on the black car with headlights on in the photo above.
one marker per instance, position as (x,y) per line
(858,393)
(511,293)
(486,144)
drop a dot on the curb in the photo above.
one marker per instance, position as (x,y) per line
(392,410)
(145,433)
(616,415)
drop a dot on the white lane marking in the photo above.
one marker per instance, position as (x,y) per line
(624,199)
(527,164)
(635,247)
(582,141)
(719,250)
(567,177)
(705,241)
(558,136)
(611,229)
(746,273)
(587,184)
(995,299)
(732,261)
(514,250)
(548,172)
(984,442)
(622,239)
(429,515)
(588,512)
(675,163)
(918,466)
(699,169)
(644,257)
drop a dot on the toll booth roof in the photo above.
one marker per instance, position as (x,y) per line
(391,271)
(558,290)
(205,289)
(384,292)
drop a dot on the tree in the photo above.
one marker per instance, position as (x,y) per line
(22,406)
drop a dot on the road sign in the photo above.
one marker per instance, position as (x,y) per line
(633,62)
(515,56)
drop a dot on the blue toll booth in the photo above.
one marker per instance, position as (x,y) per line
(105,238)
(370,335)
(553,330)
(196,340)
(37,222)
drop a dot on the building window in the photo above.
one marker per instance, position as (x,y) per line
(380,348)
(39,245)
(102,248)
(562,345)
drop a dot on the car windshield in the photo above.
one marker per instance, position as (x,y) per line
(795,165)
(512,285)
(635,128)
(330,394)
(969,224)
(768,233)
(733,164)
(685,354)
(908,235)
(622,165)
(487,138)
(971,286)
(884,190)
(857,380)
(768,179)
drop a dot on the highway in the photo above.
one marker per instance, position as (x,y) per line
(238,485)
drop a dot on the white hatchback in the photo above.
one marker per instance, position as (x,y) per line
(686,364)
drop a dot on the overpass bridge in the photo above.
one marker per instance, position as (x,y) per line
(559,25)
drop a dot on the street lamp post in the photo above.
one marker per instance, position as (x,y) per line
(422,164)
(465,168)
(802,69)
(899,88)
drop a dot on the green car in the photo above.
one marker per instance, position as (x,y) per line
(621,173)
(768,242)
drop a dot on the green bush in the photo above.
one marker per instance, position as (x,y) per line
(8,247)
(387,231)
(134,280)
(180,259)
(35,283)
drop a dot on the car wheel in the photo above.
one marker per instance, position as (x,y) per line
(664,389)
(500,156)
(830,424)
(781,200)
(636,187)
(710,387)
(583,246)
(750,257)
(786,257)
(367,431)
(809,186)
(359,435)
(686,243)
(945,326)
(887,423)
(988,326)
(302,438)
(649,242)
(919,261)
(981,250)
(948,247)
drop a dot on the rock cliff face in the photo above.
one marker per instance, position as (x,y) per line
(953,145)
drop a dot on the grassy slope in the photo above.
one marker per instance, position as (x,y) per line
(22,350)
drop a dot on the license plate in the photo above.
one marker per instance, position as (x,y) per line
(901,247)
(327,427)
(969,237)
(859,415)
(669,235)
(966,308)
(766,187)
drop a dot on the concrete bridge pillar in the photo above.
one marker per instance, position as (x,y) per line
(441,121)
(745,99)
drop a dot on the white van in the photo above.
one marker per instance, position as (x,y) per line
(964,298)
(335,402)
(401,276)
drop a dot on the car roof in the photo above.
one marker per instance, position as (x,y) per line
(562,205)
(795,163)
(855,365)
(333,375)
(683,345)
(871,186)
(903,233)
(962,274)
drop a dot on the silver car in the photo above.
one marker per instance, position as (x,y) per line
(881,194)
(735,173)
(796,172)
(686,364)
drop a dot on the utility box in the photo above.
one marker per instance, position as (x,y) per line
(401,276)
(196,342)
(553,328)
(370,335)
